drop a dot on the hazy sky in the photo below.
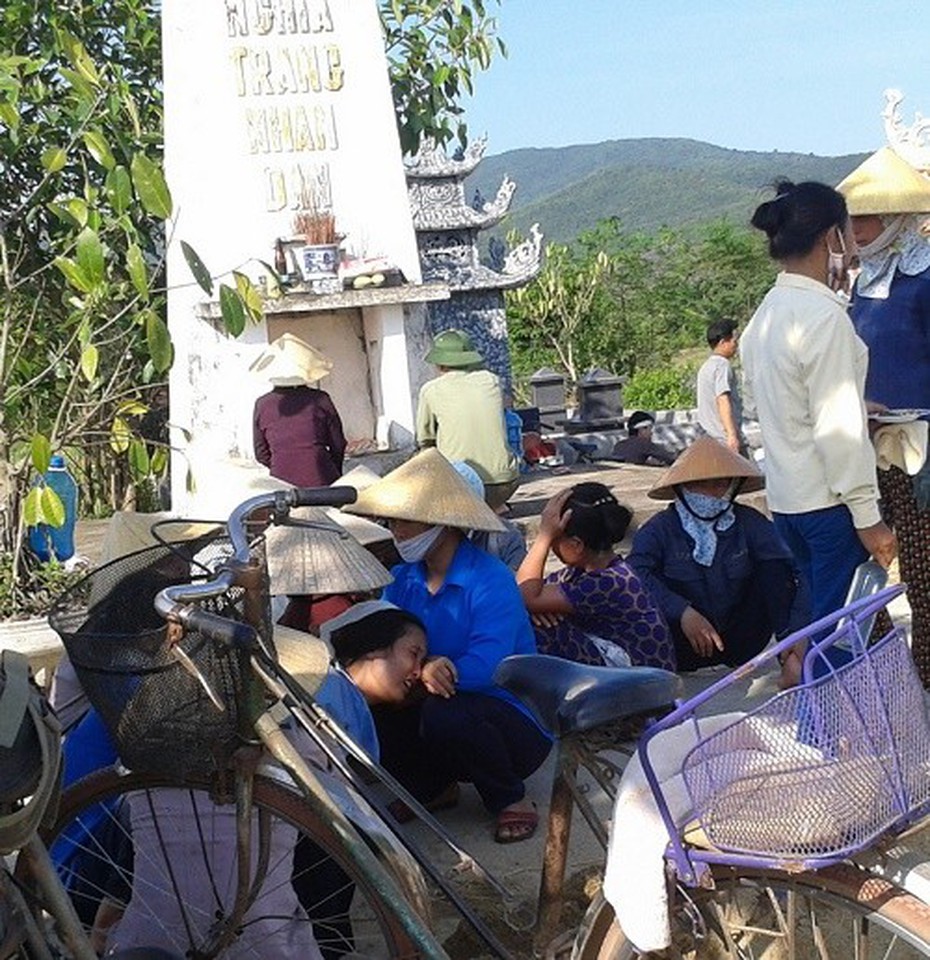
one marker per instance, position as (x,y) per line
(790,75)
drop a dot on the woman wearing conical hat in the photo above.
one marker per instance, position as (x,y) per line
(465,728)
(296,430)
(719,571)
(889,205)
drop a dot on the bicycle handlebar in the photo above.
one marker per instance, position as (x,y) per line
(323,496)
(231,632)
(172,603)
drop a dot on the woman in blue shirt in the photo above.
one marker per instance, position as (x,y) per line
(891,313)
(461,727)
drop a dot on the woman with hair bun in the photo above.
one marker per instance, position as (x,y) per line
(804,369)
(595,609)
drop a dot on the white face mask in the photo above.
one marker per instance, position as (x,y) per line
(416,548)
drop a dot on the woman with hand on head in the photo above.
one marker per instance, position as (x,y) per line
(804,369)
(462,727)
(595,609)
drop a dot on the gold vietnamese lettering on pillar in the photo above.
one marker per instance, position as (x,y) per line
(263,20)
(291,129)
(334,71)
(310,186)
(260,70)
(237,57)
(324,122)
(308,69)
(275,190)
(281,83)
(287,74)
(318,17)
(256,125)
(286,17)
(281,131)
(275,71)
(237,19)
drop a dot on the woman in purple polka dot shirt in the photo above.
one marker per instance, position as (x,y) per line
(595,609)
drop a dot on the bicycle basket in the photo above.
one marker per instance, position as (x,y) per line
(820,770)
(159,716)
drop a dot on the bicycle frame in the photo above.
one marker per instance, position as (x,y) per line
(176,605)
(573,752)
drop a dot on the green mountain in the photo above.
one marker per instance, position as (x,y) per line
(647,183)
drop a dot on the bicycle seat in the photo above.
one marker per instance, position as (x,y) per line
(568,697)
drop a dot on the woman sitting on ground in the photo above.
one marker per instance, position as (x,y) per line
(720,572)
(463,728)
(595,609)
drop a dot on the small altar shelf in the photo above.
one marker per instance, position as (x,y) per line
(297,301)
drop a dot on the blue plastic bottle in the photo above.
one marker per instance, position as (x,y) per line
(514,426)
(45,541)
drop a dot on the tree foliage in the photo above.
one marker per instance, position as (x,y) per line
(82,206)
(631,303)
(434,49)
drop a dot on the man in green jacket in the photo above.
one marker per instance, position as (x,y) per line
(461,413)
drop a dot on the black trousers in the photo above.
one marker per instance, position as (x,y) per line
(760,610)
(469,738)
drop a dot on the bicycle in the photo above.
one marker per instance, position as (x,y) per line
(37,918)
(219,635)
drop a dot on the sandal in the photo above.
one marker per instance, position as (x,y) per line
(446,800)
(516,825)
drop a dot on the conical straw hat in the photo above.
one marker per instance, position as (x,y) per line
(302,655)
(291,362)
(128,532)
(365,531)
(426,489)
(885,183)
(320,559)
(707,459)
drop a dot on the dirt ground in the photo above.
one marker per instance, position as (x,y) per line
(518,865)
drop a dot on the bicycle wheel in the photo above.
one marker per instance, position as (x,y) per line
(150,863)
(838,913)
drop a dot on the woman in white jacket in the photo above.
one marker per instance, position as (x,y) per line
(804,369)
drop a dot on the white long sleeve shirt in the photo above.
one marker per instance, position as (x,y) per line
(804,371)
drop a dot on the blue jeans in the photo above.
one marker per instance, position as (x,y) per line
(827,550)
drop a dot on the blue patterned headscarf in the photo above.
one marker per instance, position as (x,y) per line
(702,517)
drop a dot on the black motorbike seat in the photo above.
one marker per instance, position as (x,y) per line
(568,697)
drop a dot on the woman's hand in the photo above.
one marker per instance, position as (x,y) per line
(552,521)
(881,543)
(700,632)
(546,620)
(439,676)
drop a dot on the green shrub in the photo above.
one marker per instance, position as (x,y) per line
(662,388)
(38,585)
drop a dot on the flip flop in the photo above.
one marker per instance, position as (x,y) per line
(516,825)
